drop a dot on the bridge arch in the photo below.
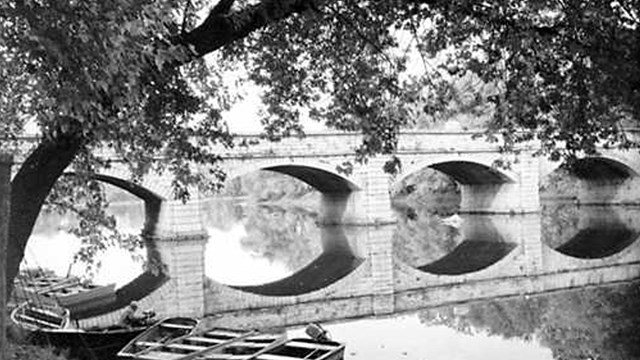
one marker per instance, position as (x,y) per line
(463,171)
(598,168)
(609,178)
(339,192)
(337,259)
(321,175)
(484,188)
(150,279)
(152,201)
(605,182)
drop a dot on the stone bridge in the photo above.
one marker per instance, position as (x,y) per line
(361,195)
(377,282)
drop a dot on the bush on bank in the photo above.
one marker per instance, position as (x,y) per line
(31,352)
(19,349)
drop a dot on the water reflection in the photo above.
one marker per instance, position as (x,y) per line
(112,265)
(275,250)
(593,323)
(406,337)
(278,250)
(251,244)
(336,261)
(589,232)
(451,245)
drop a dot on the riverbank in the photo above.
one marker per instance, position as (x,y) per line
(19,349)
(31,352)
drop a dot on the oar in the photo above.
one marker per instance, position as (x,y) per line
(218,346)
(59,286)
(191,334)
(151,348)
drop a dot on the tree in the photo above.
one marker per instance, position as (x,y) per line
(130,75)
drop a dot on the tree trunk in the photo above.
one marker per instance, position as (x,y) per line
(5,178)
(29,189)
(222,26)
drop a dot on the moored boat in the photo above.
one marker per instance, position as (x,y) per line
(213,344)
(47,317)
(164,331)
(51,326)
(69,292)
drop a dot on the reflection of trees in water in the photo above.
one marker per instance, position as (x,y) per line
(221,213)
(594,323)
(559,223)
(285,235)
(119,227)
(278,213)
(421,237)
(507,318)
(559,219)
(589,231)
(129,218)
(266,185)
(420,200)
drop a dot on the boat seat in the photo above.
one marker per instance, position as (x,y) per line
(27,318)
(277,357)
(43,312)
(221,356)
(159,355)
(148,343)
(176,326)
(204,339)
(221,332)
(185,347)
(307,345)
(248,343)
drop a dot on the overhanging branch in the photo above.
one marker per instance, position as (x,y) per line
(223,27)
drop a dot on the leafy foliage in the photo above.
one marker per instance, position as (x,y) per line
(130,76)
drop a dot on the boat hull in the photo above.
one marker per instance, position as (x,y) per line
(87,344)
(51,327)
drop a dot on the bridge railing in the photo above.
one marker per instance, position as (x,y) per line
(330,143)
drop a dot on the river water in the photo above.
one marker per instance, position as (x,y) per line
(252,243)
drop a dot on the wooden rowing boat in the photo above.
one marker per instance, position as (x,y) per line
(69,292)
(51,326)
(212,344)
(48,317)
(164,331)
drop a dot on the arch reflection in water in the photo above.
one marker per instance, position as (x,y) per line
(595,231)
(336,261)
(481,247)
(275,250)
(124,266)
(470,244)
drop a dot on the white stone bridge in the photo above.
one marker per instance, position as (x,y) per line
(362,195)
(378,282)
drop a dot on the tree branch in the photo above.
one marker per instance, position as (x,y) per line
(223,27)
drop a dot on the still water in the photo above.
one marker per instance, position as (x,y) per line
(594,323)
(255,244)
